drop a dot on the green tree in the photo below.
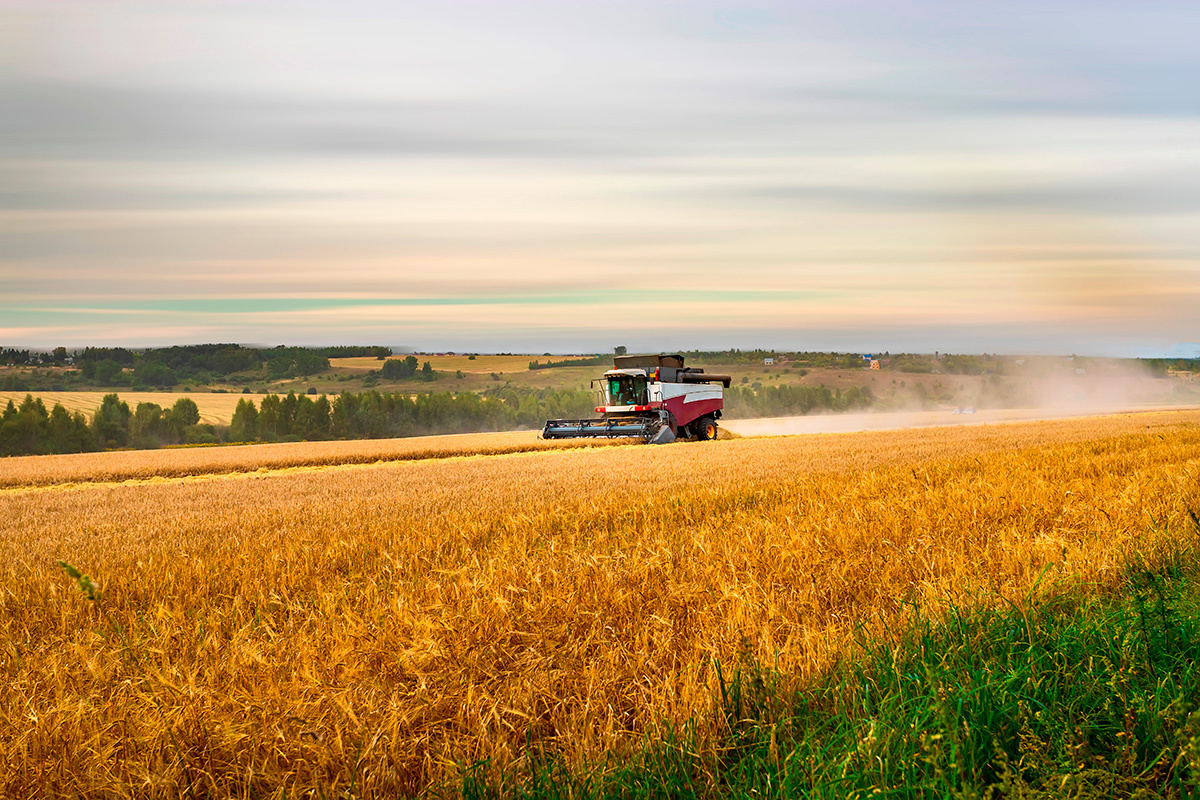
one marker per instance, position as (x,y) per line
(111,422)
(183,415)
(106,372)
(620,350)
(154,373)
(268,417)
(68,433)
(322,418)
(148,427)
(244,425)
(186,412)
(286,425)
(304,421)
(395,369)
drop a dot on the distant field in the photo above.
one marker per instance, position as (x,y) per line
(370,629)
(484,364)
(896,420)
(215,409)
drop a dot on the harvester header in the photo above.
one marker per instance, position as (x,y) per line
(652,397)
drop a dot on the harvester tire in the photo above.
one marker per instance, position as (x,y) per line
(706,429)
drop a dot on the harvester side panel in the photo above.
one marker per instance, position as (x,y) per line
(685,411)
(688,402)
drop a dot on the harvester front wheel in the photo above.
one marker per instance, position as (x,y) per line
(706,429)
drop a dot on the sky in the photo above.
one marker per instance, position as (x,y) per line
(1016,177)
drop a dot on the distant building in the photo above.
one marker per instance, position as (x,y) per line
(768,361)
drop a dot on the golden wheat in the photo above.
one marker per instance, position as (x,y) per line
(381,624)
(177,462)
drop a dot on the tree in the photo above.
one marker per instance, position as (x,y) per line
(395,369)
(186,411)
(106,372)
(183,415)
(68,433)
(620,350)
(304,422)
(111,422)
(154,373)
(322,413)
(244,425)
(286,424)
(149,425)
(268,417)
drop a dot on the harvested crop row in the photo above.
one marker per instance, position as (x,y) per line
(177,462)
(382,625)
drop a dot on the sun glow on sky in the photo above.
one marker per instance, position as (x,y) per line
(570,176)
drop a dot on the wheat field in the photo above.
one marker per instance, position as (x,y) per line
(447,363)
(372,628)
(126,465)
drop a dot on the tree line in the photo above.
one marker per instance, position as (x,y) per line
(29,429)
(202,363)
(169,366)
(372,414)
(587,361)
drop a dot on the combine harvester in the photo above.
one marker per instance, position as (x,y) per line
(653,398)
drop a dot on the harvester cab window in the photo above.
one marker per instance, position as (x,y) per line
(627,391)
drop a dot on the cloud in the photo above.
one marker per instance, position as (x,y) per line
(1169,193)
(823,171)
(48,119)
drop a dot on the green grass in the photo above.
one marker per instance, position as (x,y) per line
(1080,693)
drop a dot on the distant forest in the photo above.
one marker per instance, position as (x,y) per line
(200,364)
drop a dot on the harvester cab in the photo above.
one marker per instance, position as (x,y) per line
(654,398)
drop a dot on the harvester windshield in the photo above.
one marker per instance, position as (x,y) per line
(626,390)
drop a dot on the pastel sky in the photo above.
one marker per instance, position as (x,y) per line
(569,176)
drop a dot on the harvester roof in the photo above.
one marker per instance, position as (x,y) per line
(648,361)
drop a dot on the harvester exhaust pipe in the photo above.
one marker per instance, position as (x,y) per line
(704,377)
